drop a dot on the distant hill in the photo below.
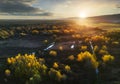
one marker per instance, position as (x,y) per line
(107,18)
(115,18)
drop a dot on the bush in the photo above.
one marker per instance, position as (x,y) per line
(100,38)
(107,58)
(103,52)
(96,48)
(60,48)
(83,48)
(56,75)
(71,57)
(87,57)
(115,43)
(26,66)
(55,65)
(35,32)
(45,41)
(53,53)
(67,68)
(7,72)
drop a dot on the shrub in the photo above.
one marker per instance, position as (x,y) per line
(115,43)
(53,53)
(26,66)
(55,65)
(77,36)
(103,52)
(45,41)
(83,48)
(56,75)
(83,55)
(60,48)
(104,47)
(34,80)
(67,68)
(87,40)
(107,58)
(41,60)
(71,57)
(66,31)
(35,32)
(86,56)
(7,72)
(96,48)
(100,38)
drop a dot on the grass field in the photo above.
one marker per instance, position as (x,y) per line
(59,52)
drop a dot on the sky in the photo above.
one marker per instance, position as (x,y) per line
(56,9)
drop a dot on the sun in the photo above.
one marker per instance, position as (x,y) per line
(83,15)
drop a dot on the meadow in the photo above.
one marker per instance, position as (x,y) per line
(59,52)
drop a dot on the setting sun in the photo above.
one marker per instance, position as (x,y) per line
(83,15)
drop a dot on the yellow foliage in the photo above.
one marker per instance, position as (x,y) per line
(107,58)
(26,65)
(88,57)
(41,60)
(82,56)
(67,68)
(9,60)
(103,52)
(100,38)
(35,31)
(23,34)
(66,31)
(7,72)
(45,41)
(55,65)
(94,62)
(29,65)
(104,47)
(71,57)
(53,53)
(56,75)
(61,48)
(76,36)
(115,42)
(83,47)
(44,67)
(87,39)
(96,48)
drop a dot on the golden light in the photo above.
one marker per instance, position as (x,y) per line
(83,15)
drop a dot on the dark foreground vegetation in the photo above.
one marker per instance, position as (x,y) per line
(59,52)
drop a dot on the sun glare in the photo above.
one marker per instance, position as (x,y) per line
(83,15)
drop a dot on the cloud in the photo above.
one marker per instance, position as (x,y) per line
(30,14)
(20,1)
(11,7)
(21,7)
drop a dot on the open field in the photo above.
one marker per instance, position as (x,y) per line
(59,52)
